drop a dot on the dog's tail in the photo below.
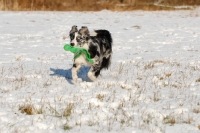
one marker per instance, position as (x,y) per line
(106,62)
(104,33)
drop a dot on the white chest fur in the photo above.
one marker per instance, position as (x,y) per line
(81,60)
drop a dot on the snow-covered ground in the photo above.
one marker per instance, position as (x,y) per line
(153,84)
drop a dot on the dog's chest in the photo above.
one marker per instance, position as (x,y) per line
(82,61)
(85,46)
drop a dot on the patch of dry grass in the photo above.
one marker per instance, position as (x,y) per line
(181,2)
(90,5)
(29,109)
(68,110)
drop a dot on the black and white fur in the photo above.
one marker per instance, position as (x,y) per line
(99,46)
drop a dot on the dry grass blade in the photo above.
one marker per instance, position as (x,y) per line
(68,110)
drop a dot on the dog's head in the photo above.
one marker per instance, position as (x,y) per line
(79,38)
(73,35)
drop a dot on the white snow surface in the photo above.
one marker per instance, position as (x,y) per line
(153,84)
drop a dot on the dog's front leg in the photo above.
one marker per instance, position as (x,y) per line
(75,69)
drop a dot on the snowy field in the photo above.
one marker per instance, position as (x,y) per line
(153,84)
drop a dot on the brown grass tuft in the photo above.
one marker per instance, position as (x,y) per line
(196,111)
(68,110)
(28,109)
(198,80)
(169,120)
(100,97)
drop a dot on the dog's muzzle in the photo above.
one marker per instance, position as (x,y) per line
(72,44)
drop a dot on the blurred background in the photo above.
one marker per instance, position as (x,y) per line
(93,5)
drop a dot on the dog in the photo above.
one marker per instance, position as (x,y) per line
(99,46)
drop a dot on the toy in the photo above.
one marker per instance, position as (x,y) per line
(78,51)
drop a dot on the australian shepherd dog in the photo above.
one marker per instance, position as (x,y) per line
(99,46)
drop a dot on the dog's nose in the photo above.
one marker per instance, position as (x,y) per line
(72,44)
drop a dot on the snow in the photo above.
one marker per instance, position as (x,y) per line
(152,85)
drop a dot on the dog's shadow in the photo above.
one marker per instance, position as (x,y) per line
(68,74)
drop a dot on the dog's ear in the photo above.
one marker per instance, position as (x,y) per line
(84,31)
(74,29)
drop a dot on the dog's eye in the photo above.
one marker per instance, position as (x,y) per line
(78,38)
(71,37)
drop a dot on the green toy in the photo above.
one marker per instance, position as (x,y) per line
(78,51)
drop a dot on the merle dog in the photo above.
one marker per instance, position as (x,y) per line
(99,46)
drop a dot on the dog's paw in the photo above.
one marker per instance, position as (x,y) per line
(91,76)
(77,80)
